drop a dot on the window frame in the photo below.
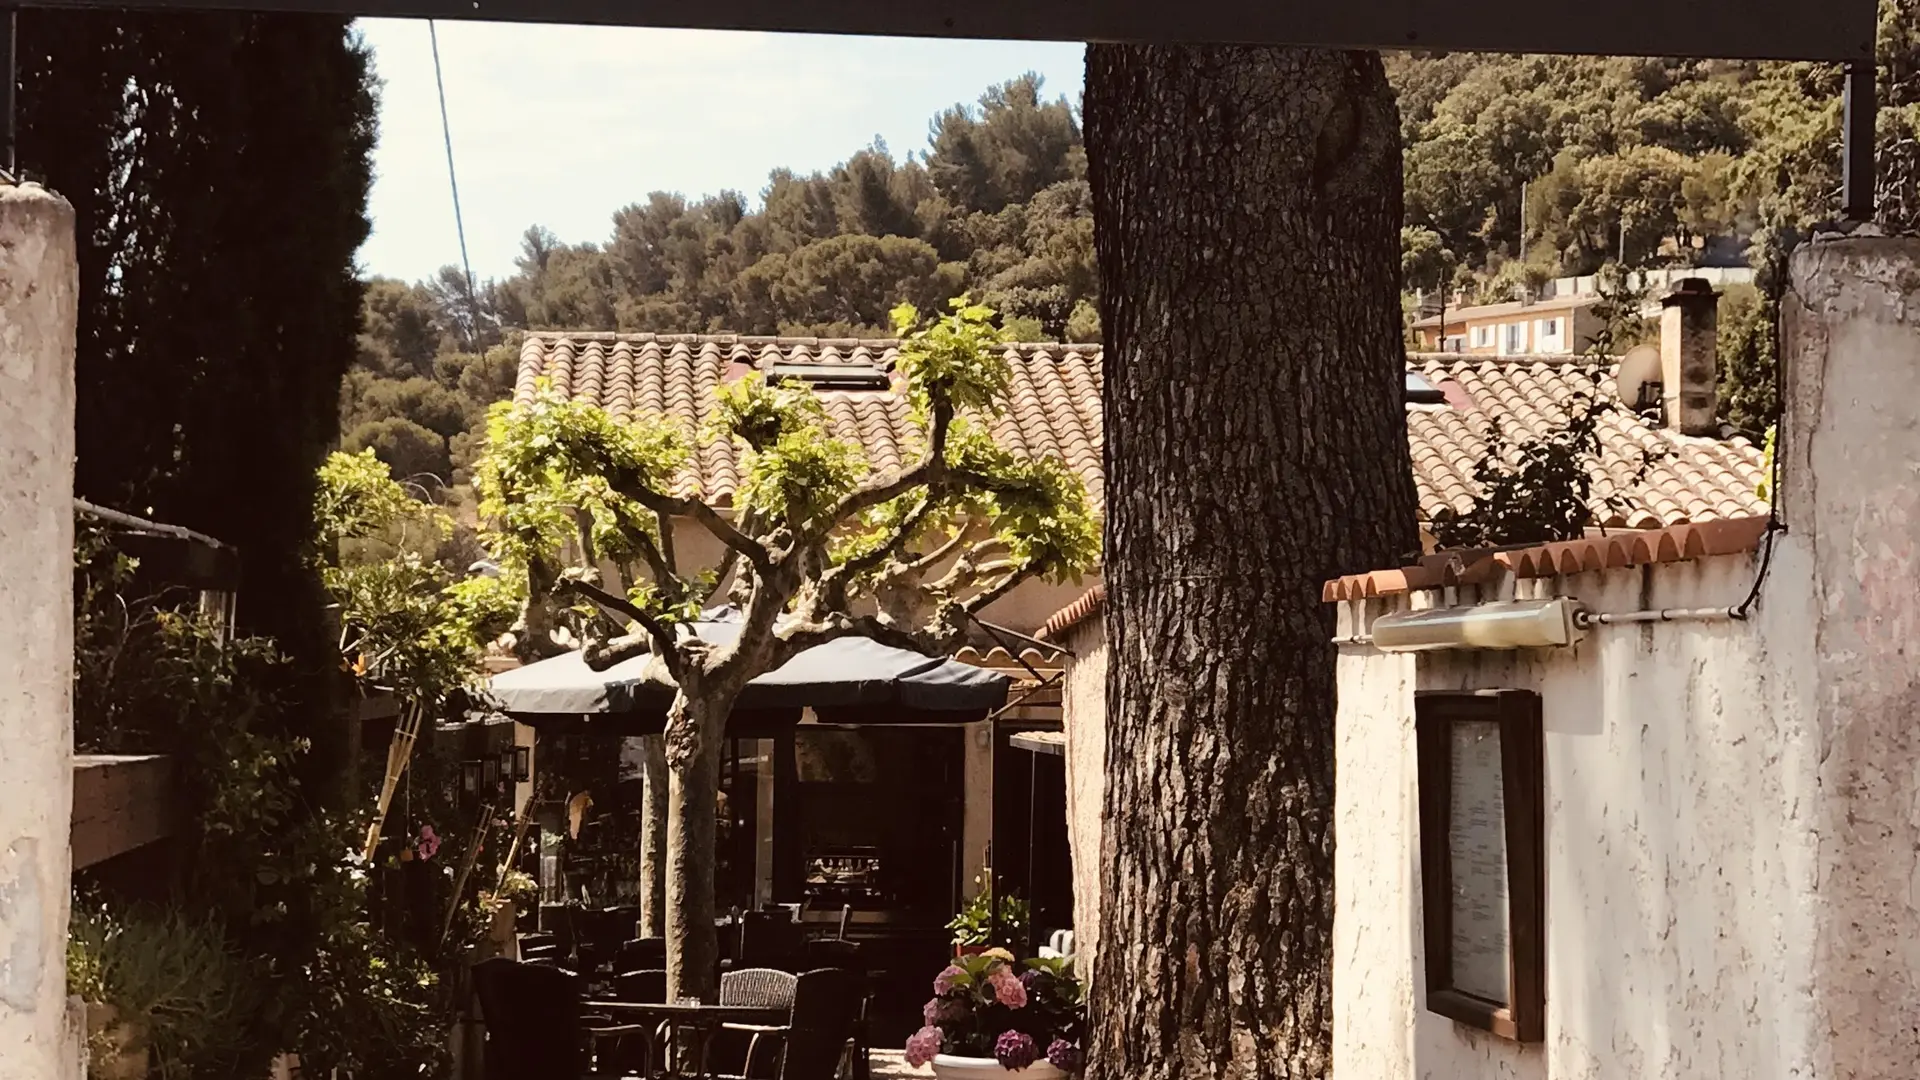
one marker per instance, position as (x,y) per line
(1523,788)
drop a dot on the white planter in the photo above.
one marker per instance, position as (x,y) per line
(949,1067)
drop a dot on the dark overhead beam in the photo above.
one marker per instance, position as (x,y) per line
(1734,29)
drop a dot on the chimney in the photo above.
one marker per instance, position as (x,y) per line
(1689,324)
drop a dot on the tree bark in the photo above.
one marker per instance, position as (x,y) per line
(1247,210)
(693,798)
(653,837)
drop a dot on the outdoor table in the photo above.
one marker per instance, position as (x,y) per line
(705,1020)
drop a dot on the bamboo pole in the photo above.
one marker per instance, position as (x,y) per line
(399,752)
(466,869)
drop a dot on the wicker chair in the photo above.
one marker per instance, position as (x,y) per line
(819,1040)
(761,988)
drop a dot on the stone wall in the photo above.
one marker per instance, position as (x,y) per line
(38,289)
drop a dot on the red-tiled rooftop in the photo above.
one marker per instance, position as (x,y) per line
(1679,543)
(1054,410)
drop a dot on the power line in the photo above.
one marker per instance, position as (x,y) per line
(453,181)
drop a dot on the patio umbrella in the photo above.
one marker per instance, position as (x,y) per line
(848,680)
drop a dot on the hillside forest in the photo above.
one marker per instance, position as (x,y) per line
(1518,169)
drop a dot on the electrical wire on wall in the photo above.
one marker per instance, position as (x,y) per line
(453,181)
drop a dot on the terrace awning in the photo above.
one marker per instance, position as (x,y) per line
(851,680)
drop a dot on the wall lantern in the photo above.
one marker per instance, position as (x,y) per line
(1509,624)
(490,772)
(522,764)
(470,777)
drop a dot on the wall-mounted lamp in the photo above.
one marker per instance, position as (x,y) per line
(522,764)
(1510,624)
(470,777)
(490,771)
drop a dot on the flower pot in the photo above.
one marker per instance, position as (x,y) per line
(949,1067)
(116,1047)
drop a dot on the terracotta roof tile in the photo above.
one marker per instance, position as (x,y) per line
(1054,408)
(1089,606)
(1694,479)
(1677,543)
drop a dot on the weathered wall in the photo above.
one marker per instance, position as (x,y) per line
(1083,701)
(1851,446)
(1680,844)
(38,286)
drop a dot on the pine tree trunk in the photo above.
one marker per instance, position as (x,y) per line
(653,838)
(1247,209)
(693,797)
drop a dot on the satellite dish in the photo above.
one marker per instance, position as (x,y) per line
(1638,368)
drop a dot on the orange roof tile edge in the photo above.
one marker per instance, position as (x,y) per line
(1678,543)
(1087,607)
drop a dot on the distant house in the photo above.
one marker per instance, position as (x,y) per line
(1557,326)
(1054,409)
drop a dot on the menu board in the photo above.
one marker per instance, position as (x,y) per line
(1477,856)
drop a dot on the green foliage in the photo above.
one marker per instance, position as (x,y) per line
(172,971)
(408,620)
(974,926)
(218,164)
(266,868)
(792,469)
(1535,491)
(1542,489)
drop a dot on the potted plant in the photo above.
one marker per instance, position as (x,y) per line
(159,989)
(988,1019)
(974,928)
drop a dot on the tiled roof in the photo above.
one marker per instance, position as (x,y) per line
(1695,479)
(1054,406)
(1087,607)
(1055,410)
(1612,551)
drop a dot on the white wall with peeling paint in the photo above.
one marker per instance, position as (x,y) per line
(38,289)
(1733,808)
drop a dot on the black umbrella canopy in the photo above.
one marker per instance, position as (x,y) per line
(848,680)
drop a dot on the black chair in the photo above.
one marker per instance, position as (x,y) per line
(641,954)
(536,1027)
(769,940)
(644,987)
(816,1042)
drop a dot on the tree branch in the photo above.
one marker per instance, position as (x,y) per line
(798,638)
(671,506)
(930,470)
(661,634)
(981,600)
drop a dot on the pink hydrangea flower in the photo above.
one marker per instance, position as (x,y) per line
(1008,989)
(429,845)
(1015,1050)
(922,1045)
(1065,1056)
(943,982)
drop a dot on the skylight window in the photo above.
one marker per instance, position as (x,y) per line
(1422,392)
(832,376)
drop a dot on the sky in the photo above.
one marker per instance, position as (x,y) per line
(562,125)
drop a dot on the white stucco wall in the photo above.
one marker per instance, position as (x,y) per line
(1733,808)
(1083,698)
(1680,851)
(38,288)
